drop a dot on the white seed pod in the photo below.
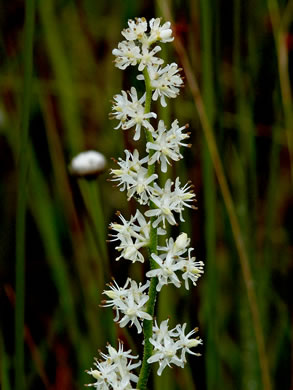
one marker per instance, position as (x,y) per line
(88,164)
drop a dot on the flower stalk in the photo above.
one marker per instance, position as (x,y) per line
(148,325)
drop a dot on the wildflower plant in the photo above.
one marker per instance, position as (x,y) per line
(134,303)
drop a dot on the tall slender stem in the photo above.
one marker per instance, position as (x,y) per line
(148,324)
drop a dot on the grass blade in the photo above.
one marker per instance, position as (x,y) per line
(23,164)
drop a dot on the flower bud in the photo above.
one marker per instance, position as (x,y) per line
(182,241)
(88,164)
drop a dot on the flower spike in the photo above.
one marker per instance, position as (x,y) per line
(158,205)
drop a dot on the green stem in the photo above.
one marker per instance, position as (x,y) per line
(148,324)
(147,109)
(21,196)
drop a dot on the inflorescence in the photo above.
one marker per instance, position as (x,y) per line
(135,174)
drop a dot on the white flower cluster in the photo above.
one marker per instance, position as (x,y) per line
(137,49)
(133,177)
(168,202)
(173,263)
(131,113)
(129,301)
(171,346)
(167,144)
(164,81)
(132,236)
(114,372)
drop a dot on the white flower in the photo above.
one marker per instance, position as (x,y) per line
(160,332)
(171,346)
(136,49)
(131,112)
(134,177)
(166,272)
(164,81)
(191,269)
(140,185)
(168,202)
(136,29)
(134,312)
(148,57)
(165,348)
(130,250)
(130,302)
(160,33)
(128,167)
(115,371)
(128,53)
(89,163)
(170,261)
(133,235)
(163,199)
(175,249)
(121,107)
(185,342)
(123,230)
(166,144)
(183,196)
(165,355)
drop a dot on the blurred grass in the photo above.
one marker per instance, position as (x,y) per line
(241,53)
(23,170)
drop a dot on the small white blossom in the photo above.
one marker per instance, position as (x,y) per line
(166,144)
(114,372)
(191,269)
(163,199)
(160,332)
(140,185)
(165,348)
(165,355)
(160,33)
(121,108)
(126,229)
(172,260)
(127,53)
(128,167)
(171,346)
(129,302)
(185,342)
(134,177)
(136,50)
(166,272)
(130,250)
(131,113)
(168,202)
(89,163)
(136,29)
(133,235)
(165,82)
(148,57)
(183,196)
(175,248)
